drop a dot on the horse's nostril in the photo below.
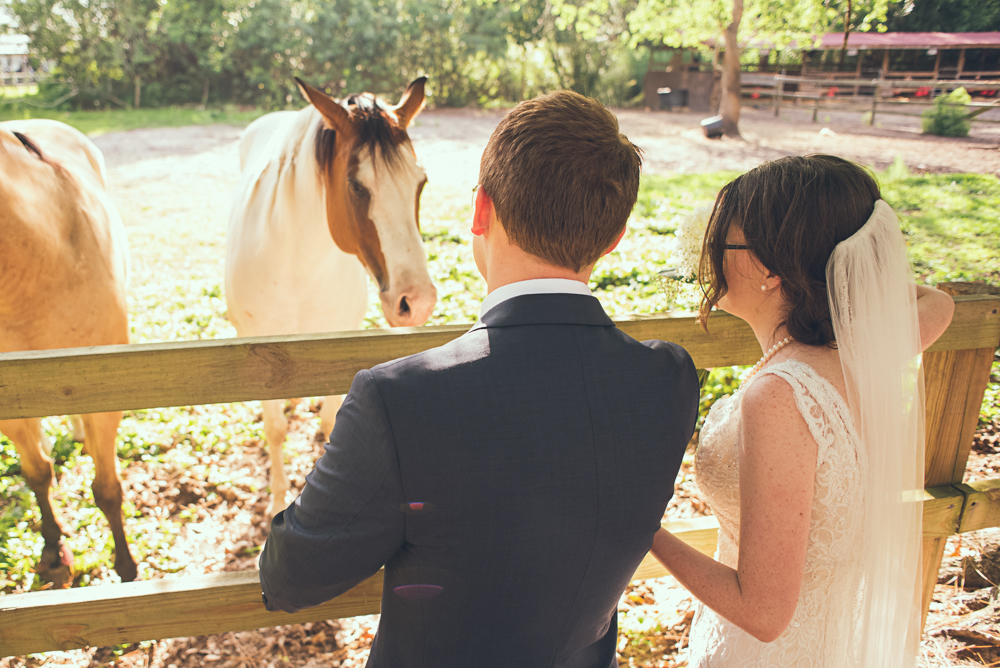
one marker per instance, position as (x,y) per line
(404,306)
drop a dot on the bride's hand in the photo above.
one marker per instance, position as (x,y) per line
(934,312)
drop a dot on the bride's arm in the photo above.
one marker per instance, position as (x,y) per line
(934,311)
(777,481)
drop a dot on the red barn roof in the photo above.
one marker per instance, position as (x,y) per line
(912,40)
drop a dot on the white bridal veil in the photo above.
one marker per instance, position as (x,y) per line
(872,296)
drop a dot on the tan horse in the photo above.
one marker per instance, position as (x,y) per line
(63,268)
(326,194)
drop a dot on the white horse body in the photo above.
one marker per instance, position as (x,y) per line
(302,234)
(284,273)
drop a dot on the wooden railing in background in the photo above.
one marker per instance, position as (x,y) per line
(871,96)
(60,382)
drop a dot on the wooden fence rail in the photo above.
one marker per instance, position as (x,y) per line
(223,602)
(879,102)
(60,382)
(154,375)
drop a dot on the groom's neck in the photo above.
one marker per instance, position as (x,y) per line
(512,265)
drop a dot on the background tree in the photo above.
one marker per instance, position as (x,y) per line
(944,16)
(93,44)
(699,24)
(195,39)
(158,52)
(858,16)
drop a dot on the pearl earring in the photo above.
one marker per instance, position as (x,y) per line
(764,288)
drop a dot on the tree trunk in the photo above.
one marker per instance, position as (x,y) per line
(204,94)
(729,106)
(138,92)
(847,33)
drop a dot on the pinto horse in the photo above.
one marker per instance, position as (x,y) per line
(63,268)
(326,195)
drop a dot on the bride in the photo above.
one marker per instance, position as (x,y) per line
(814,468)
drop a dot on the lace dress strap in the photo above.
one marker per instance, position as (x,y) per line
(821,405)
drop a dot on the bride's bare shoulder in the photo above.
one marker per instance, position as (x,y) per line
(825,361)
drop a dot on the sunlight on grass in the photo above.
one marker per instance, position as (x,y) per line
(95,123)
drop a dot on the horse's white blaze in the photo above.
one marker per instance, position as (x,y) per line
(393,187)
(284,272)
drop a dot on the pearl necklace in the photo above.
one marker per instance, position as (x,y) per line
(767,356)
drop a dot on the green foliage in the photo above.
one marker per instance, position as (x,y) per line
(945,16)
(163,52)
(698,23)
(948,116)
(94,45)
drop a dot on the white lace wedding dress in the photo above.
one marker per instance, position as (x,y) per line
(823,631)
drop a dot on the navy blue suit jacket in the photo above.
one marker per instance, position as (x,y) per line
(510,482)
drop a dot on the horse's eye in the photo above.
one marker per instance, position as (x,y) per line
(359,189)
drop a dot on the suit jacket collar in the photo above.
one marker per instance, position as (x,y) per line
(546,309)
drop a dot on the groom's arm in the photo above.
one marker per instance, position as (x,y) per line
(348,521)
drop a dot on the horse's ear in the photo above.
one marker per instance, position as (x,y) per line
(411,103)
(335,116)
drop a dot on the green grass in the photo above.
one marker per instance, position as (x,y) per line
(952,221)
(96,123)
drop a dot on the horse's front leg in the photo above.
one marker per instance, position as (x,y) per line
(101,430)
(275,430)
(328,414)
(78,431)
(56,564)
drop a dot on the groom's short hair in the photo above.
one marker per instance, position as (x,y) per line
(562,177)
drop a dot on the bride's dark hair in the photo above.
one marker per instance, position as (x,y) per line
(793,212)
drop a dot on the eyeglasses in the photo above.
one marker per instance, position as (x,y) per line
(735,247)
(475,189)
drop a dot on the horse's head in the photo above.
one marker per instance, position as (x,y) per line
(373,184)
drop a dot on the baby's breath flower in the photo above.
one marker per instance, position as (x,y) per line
(686,249)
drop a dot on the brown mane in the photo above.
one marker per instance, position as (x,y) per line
(374,128)
(30,145)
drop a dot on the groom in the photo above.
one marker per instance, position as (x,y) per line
(512,480)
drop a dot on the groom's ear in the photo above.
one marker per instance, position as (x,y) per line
(483,213)
(617,241)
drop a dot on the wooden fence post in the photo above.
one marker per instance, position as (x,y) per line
(871,121)
(955,383)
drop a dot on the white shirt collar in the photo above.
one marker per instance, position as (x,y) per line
(535,286)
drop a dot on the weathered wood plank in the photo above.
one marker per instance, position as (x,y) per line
(955,382)
(153,609)
(942,511)
(170,608)
(982,506)
(87,380)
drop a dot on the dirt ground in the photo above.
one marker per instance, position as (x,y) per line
(174,184)
(450,142)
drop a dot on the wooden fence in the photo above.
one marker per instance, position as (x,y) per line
(60,382)
(870,96)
